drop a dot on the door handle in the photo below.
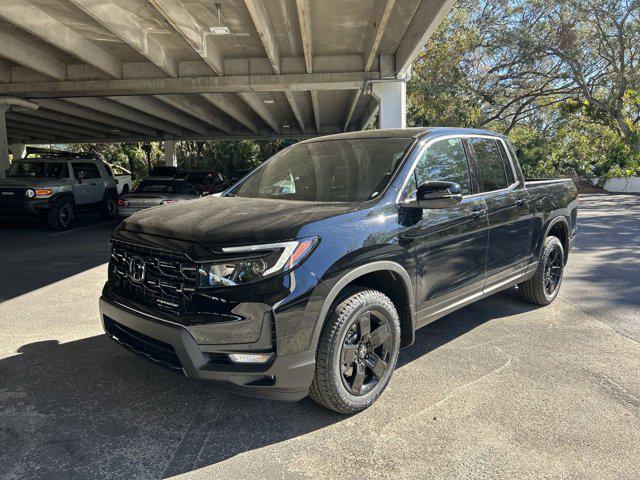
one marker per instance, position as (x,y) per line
(478,213)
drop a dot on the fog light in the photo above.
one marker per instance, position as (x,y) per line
(250,357)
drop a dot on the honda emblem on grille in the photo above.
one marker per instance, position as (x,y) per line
(137,269)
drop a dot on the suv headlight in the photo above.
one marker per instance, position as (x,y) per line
(255,262)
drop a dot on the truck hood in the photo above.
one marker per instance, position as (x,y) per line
(27,182)
(225,221)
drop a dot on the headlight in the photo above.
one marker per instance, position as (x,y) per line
(30,193)
(256,262)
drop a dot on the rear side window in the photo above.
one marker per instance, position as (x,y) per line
(444,161)
(507,164)
(490,165)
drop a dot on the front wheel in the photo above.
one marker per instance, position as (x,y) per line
(109,208)
(61,214)
(357,352)
(543,287)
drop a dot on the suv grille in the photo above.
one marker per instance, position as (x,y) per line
(158,278)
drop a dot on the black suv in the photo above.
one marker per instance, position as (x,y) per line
(310,274)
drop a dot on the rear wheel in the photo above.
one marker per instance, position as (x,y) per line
(62,214)
(109,208)
(543,287)
(357,353)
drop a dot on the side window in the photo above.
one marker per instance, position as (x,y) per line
(507,164)
(444,161)
(490,166)
(93,171)
(90,170)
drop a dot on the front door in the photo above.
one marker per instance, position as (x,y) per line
(449,244)
(89,187)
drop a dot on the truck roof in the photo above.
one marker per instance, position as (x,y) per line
(414,132)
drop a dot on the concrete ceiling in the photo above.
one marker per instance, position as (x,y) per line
(135,70)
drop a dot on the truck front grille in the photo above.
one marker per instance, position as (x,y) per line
(161,279)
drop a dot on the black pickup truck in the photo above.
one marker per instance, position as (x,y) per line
(309,275)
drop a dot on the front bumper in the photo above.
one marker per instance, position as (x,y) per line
(286,377)
(24,208)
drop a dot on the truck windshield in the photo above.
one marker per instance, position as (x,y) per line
(39,169)
(353,170)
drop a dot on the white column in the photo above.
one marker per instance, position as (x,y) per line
(19,150)
(170,158)
(392,96)
(4,143)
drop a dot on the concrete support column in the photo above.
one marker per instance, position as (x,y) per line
(170,158)
(392,96)
(4,143)
(19,150)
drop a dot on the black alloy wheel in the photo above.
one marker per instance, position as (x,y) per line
(543,287)
(366,351)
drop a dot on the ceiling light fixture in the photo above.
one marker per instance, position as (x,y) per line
(220,29)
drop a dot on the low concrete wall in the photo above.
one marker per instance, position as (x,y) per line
(627,185)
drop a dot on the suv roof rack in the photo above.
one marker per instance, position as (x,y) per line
(60,153)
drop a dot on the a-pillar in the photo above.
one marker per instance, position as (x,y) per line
(4,142)
(392,96)
(170,157)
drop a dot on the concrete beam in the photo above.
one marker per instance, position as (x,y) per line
(304,18)
(16,117)
(48,129)
(170,157)
(296,110)
(4,142)
(316,109)
(263,112)
(226,103)
(167,86)
(196,110)
(369,113)
(425,21)
(30,54)
(258,14)
(73,121)
(191,31)
(159,115)
(125,26)
(88,113)
(39,23)
(352,107)
(376,33)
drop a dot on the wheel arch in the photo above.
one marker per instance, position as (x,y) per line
(388,277)
(559,227)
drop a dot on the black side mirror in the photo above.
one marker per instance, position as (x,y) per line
(438,195)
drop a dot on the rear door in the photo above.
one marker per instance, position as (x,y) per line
(449,244)
(508,209)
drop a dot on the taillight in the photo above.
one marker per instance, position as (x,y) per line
(122,202)
(167,202)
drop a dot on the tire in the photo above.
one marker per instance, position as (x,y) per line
(543,287)
(348,376)
(109,208)
(62,214)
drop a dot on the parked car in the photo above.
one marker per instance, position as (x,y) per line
(57,187)
(152,193)
(206,182)
(123,177)
(313,288)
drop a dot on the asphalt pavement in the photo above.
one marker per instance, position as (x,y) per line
(499,389)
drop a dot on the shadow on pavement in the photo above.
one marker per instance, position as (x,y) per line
(89,409)
(37,256)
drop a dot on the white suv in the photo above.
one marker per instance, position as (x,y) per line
(56,187)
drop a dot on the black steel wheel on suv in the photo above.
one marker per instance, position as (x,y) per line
(357,352)
(62,214)
(543,287)
(109,208)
